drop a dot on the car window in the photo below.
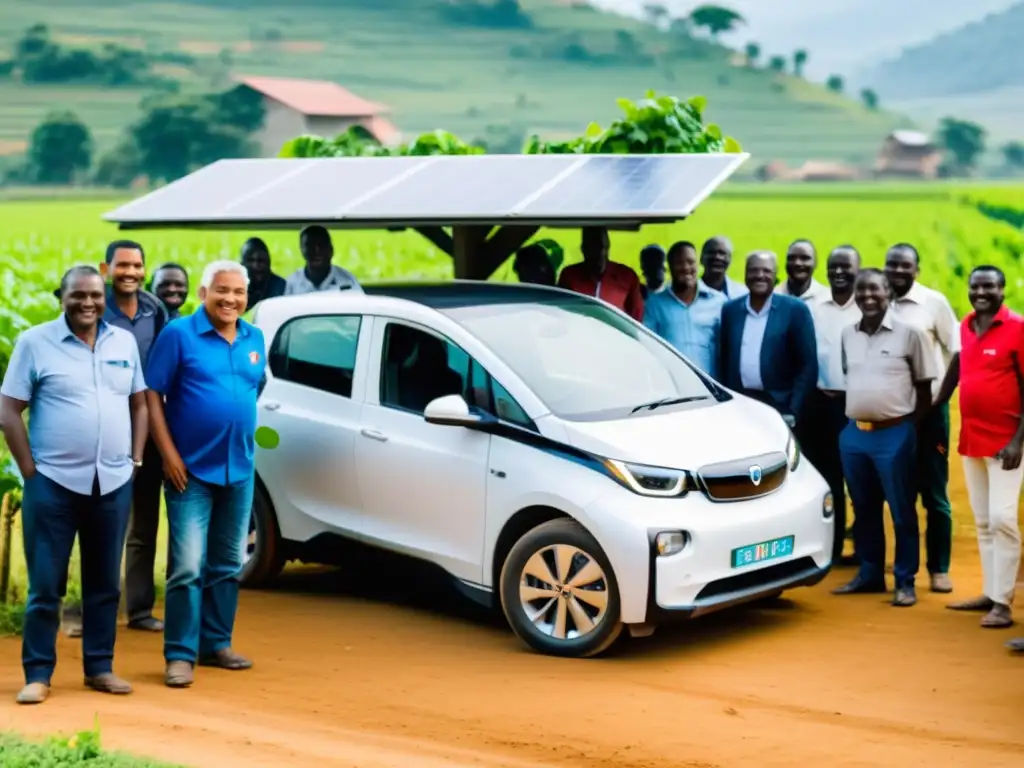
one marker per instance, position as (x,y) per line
(417,367)
(581,358)
(318,352)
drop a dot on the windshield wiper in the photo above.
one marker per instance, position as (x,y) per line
(668,401)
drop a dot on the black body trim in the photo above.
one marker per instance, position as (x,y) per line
(734,480)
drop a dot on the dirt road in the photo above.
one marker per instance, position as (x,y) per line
(376,673)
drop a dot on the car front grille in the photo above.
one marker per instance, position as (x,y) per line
(743,479)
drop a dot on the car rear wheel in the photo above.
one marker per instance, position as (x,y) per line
(263,558)
(559,592)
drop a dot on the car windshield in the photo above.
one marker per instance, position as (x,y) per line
(584,360)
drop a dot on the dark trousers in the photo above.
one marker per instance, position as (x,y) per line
(933,485)
(880,467)
(819,431)
(51,517)
(140,550)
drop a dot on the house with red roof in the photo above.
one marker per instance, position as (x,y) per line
(319,107)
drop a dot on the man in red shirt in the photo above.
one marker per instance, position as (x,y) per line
(609,281)
(990,372)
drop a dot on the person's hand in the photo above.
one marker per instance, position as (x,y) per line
(27,473)
(175,472)
(1011,455)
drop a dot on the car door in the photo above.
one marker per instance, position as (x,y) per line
(313,401)
(423,486)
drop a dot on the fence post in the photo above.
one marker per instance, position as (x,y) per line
(8,509)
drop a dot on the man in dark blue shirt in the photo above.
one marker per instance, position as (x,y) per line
(143,315)
(263,283)
(204,372)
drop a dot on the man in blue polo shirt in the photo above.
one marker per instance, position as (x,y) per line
(207,367)
(81,381)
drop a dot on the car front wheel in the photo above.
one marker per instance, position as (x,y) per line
(559,593)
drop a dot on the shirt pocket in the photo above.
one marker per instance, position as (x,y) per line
(116,376)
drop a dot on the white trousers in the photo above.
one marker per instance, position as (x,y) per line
(994,494)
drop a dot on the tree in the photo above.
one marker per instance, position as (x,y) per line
(799,62)
(870,99)
(835,83)
(656,15)
(1013,154)
(777,63)
(61,146)
(964,140)
(753,51)
(716,19)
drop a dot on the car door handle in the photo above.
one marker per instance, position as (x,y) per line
(373,434)
(271,405)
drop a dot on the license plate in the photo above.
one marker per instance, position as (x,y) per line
(766,550)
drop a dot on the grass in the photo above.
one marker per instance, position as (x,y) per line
(80,749)
(435,75)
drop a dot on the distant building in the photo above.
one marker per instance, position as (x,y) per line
(294,107)
(812,170)
(908,154)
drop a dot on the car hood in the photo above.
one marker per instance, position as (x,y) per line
(688,438)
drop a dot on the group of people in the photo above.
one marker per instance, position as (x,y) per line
(127,399)
(863,370)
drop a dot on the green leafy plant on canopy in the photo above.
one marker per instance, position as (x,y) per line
(653,125)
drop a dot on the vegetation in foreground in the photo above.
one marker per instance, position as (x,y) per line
(81,749)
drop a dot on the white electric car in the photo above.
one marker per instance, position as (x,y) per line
(549,453)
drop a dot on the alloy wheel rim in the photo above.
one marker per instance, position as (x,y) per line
(563,591)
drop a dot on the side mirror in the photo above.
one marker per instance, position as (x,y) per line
(450,411)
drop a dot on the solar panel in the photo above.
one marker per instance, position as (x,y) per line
(649,185)
(411,191)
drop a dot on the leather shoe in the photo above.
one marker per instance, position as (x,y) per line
(226,659)
(941,583)
(861,586)
(33,693)
(1016,645)
(999,617)
(147,624)
(108,682)
(179,674)
(904,597)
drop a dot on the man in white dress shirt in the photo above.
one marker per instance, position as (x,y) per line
(930,312)
(801,261)
(319,274)
(833,312)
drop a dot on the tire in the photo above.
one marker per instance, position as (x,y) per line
(266,561)
(537,548)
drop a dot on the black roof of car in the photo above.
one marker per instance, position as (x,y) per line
(449,294)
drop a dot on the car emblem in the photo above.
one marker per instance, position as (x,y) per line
(755,474)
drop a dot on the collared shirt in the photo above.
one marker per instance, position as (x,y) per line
(815,294)
(830,317)
(337,279)
(734,289)
(693,330)
(275,286)
(618,286)
(882,368)
(750,346)
(150,317)
(930,312)
(79,418)
(990,402)
(210,395)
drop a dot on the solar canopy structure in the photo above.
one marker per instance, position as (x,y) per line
(471,194)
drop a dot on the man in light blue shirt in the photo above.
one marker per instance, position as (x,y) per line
(688,315)
(81,381)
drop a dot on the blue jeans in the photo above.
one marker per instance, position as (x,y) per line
(208,526)
(51,517)
(880,467)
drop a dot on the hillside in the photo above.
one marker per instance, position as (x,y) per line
(437,68)
(978,58)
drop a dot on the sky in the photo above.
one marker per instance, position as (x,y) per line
(845,37)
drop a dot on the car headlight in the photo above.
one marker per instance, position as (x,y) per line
(649,481)
(792,453)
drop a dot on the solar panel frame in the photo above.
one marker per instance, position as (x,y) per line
(276,192)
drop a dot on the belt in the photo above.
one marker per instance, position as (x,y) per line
(872,426)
